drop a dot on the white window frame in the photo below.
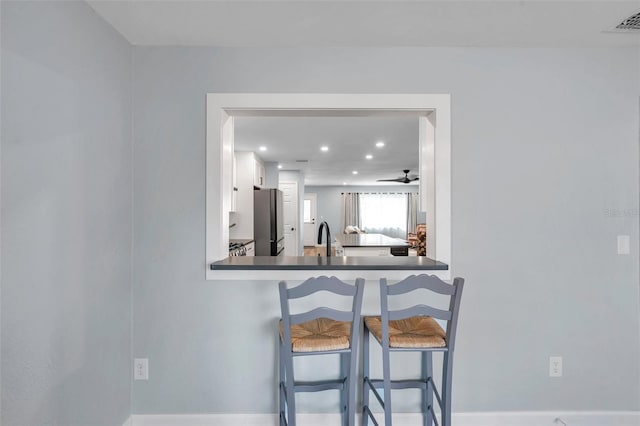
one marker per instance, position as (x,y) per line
(435,159)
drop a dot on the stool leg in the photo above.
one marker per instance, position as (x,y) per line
(365,375)
(386,376)
(291,393)
(281,382)
(447,374)
(427,393)
(344,397)
(352,379)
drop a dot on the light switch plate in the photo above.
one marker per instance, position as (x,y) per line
(624,244)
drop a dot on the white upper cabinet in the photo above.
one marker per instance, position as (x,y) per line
(258,172)
(234,185)
(248,173)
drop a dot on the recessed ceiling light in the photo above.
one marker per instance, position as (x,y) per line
(379,144)
(355,172)
(344,183)
(368,156)
(263,148)
(324,148)
(279,166)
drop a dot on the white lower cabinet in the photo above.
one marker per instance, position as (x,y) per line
(251,249)
(367,251)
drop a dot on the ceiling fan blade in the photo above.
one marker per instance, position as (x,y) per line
(404,179)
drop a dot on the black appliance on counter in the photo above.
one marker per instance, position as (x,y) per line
(268,222)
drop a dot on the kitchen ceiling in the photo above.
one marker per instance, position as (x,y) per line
(296,143)
(318,23)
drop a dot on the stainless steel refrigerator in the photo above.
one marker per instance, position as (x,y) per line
(268,222)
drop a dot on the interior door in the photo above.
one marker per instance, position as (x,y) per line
(309,220)
(290,216)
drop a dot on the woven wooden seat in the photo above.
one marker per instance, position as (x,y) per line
(319,335)
(414,332)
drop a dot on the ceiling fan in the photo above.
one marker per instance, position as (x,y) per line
(405,179)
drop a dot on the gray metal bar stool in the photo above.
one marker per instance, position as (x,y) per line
(321,330)
(413,329)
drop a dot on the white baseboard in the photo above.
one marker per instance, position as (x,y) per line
(503,418)
(548,418)
(208,419)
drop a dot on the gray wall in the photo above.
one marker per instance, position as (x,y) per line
(271,173)
(329,200)
(66,217)
(545,149)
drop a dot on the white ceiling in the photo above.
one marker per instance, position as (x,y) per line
(349,139)
(317,23)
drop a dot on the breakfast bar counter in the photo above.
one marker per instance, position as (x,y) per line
(320,263)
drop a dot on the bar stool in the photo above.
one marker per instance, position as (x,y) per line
(413,329)
(321,330)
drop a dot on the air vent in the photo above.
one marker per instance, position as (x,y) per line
(632,23)
(302,161)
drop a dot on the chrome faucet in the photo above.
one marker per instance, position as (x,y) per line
(322,226)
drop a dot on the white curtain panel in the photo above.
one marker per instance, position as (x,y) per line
(351,210)
(384,213)
(412,212)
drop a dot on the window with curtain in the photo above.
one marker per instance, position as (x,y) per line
(384,213)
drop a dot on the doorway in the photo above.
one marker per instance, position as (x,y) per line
(309,219)
(290,216)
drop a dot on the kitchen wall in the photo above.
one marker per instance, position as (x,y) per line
(544,177)
(329,201)
(271,174)
(66,217)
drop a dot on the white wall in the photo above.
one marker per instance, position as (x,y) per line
(544,149)
(66,217)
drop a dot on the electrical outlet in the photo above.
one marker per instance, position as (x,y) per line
(555,366)
(141,369)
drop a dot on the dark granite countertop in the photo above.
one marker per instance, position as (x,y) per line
(329,263)
(369,240)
